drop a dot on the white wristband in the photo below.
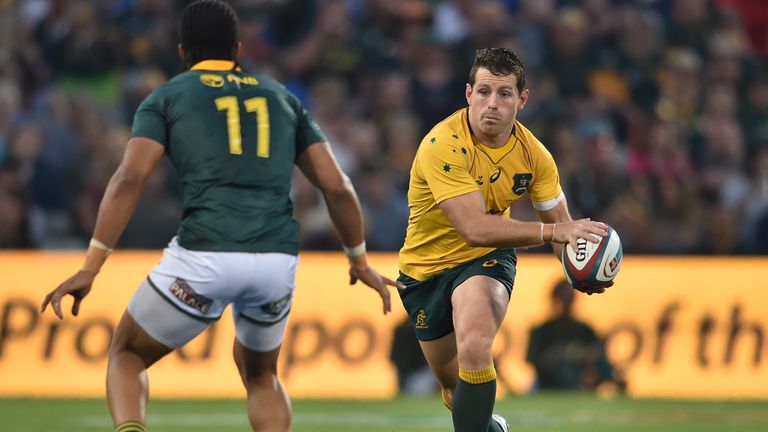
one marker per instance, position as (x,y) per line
(99,245)
(355,251)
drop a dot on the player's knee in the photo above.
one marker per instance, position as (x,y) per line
(475,351)
(256,367)
(258,374)
(260,378)
(118,345)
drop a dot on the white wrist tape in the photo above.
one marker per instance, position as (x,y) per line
(99,245)
(355,251)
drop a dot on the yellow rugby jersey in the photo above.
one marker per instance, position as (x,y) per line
(451,162)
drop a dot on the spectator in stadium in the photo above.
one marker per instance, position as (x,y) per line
(458,262)
(353,63)
(567,353)
(237,242)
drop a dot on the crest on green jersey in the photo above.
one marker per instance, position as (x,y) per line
(212,80)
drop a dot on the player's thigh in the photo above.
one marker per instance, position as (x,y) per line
(428,304)
(150,315)
(479,306)
(441,355)
(183,295)
(260,311)
(131,337)
(479,300)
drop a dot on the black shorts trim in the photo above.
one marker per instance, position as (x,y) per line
(264,323)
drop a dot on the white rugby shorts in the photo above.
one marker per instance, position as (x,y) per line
(188,290)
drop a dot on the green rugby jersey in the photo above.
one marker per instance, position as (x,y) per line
(233,138)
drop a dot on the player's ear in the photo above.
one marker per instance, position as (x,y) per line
(180,50)
(238,48)
(468,92)
(523,99)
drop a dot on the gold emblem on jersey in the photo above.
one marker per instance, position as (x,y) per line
(212,80)
(490,263)
(421,320)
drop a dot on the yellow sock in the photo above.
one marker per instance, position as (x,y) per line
(131,426)
(447,402)
(478,376)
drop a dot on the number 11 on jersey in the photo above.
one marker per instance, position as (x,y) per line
(257,105)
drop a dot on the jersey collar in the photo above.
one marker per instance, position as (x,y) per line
(215,65)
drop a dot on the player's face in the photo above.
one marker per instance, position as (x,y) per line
(494,102)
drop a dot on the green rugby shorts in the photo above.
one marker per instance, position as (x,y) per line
(428,302)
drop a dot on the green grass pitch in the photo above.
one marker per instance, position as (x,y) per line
(541,413)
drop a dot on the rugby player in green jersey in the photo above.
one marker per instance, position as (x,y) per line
(233,138)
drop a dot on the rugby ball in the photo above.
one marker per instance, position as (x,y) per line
(593,263)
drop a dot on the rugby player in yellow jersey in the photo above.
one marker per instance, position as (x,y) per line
(458,260)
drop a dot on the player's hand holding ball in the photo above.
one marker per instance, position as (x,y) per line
(591,265)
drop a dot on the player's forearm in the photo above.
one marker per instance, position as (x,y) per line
(346,214)
(498,231)
(557,214)
(115,211)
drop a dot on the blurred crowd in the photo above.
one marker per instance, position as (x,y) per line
(656,111)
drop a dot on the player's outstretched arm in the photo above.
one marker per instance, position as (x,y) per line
(467,214)
(322,170)
(123,191)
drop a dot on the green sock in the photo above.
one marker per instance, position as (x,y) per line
(130,426)
(473,401)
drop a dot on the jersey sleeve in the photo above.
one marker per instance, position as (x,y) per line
(445,168)
(307,131)
(150,119)
(545,190)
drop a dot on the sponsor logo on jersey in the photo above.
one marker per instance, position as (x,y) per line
(490,263)
(495,175)
(277,307)
(421,320)
(521,182)
(212,80)
(247,80)
(181,289)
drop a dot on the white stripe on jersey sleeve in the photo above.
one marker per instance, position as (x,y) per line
(550,204)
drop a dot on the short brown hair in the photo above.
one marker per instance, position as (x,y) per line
(499,61)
